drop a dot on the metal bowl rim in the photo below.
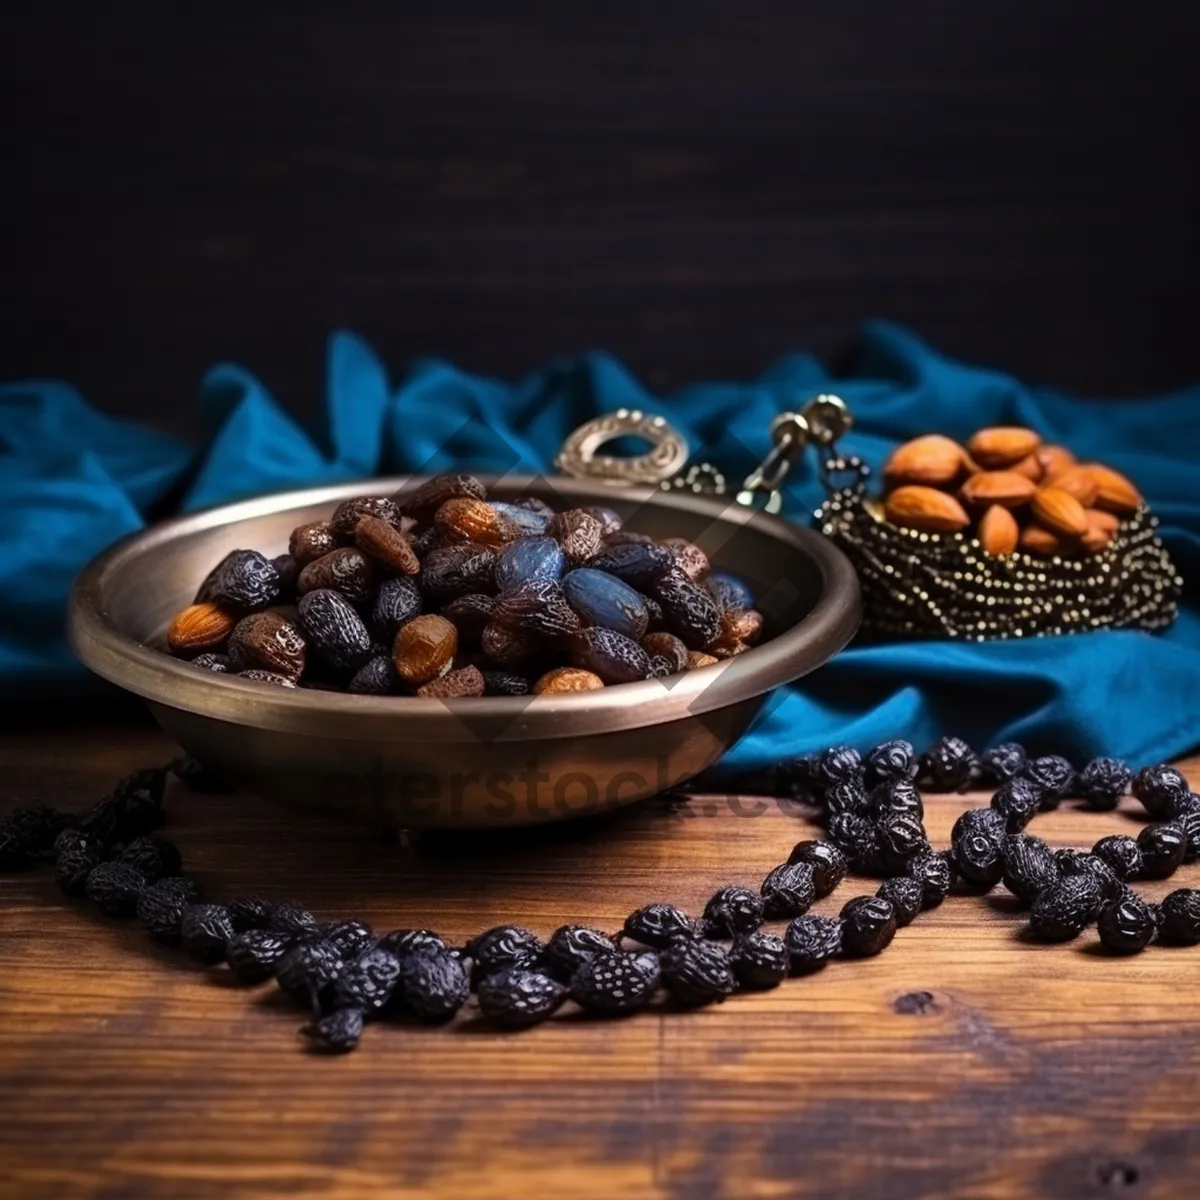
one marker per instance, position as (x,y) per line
(161,679)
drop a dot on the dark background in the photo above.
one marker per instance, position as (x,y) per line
(696,187)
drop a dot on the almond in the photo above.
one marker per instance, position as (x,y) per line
(1101,529)
(998,532)
(1059,512)
(1054,459)
(998,487)
(199,627)
(1031,467)
(1037,540)
(1002,445)
(932,459)
(926,509)
(1077,481)
(1114,493)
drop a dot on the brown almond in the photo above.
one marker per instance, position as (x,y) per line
(1059,512)
(925,509)
(1054,459)
(934,459)
(999,532)
(998,487)
(1114,493)
(1030,466)
(1040,541)
(199,627)
(1077,481)
(1101,529)
(1002,446)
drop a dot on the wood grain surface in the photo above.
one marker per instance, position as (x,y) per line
(697,187)
(964,1062)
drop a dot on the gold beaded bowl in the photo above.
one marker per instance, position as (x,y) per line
(490,761)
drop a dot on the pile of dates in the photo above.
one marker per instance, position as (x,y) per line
(440,592)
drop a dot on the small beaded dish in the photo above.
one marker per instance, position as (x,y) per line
(916,584)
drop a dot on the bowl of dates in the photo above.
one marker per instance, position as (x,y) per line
(452,651)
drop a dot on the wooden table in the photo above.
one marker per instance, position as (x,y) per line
(961,1063)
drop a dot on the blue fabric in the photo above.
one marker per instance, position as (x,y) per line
(73,480)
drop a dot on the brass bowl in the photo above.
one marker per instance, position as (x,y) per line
(480,762)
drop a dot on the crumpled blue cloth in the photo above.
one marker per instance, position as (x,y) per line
(72,480)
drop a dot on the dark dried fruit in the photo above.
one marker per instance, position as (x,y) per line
(424,649)
(1103,782)
(1190,824)
(894,796)
(899,838)
(1179,917)
(508,648)
(812,941)
(396,602)
(1122,854)
(893,760)
(829,865)
(271,677)
(578,533)
(1163,848)
(206,932)
(294,919)
(732,910)
(160,907)
(1001,763)
(465,519)
(1073,862)
(153,856)
(386,546)
(335,632)
(537,608)
(450,571)
(1054,777)
(312,541)
(906,896)
(610,655)
(502,948)
(1065,909)
(470,614)
(1017,800)
(350,937)
(37,829)
(528,522)
(855,837)
(689,558)
(948,766)
(114,888)
(432,984)
(638,564)
(347,571)
(658,925)
(975,846)
(615,984)
(517,999)
(254,954)
(980,820)
(367,981)
(760,960)
(338,1032)
(219,664)
(528,559)
(504,683)
(668,646)
(412,941)
(1158,788)
(376,677)
(697,972)
(425,500)
(868,926)
(1029,866)
(289,577)
(935,874)
(242,582)
(307,971)
(570,947)
(838,764)
(1127,925)
(73,866)
(268,641)
(848,796)
(604,600)
(689,610)
(788,891)
(347,515)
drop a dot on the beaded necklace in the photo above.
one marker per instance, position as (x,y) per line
(872,810)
